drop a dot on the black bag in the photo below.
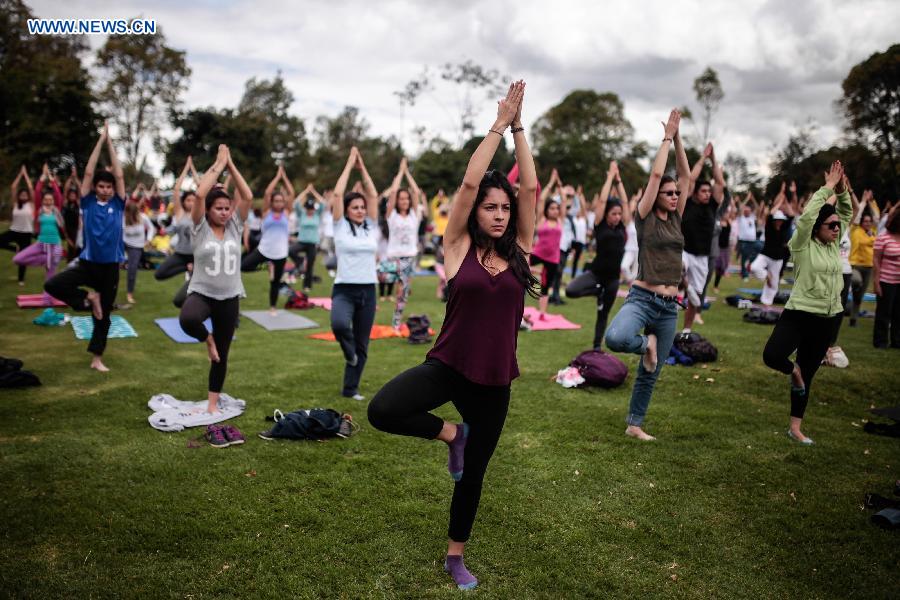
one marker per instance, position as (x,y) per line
(12,375)
(782,297)
(763,316)
(697,347)
(314,424)
(419,329)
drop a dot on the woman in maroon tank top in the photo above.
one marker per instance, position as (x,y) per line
(486,245)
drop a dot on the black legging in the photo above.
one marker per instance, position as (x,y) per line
(15,241)
(845,295)
(385,289)
(577,249)
(68,285)
(308,251)
(401,407)
(173,265)
(587,284)
(808,334)
(223,313)
(548,274)
(254,259)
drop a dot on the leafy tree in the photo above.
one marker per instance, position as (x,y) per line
(581,134)
(270,101)
(141,82)
(871,104)
(45,97)
(709,94)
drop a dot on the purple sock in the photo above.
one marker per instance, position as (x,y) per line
(457,452)
(457,569)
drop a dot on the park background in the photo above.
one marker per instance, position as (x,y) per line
(97,504)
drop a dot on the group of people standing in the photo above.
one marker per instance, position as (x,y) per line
(664,239)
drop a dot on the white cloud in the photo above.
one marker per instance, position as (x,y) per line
(781,63)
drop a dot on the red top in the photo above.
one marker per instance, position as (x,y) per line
(481,327)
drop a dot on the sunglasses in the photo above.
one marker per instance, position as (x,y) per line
(671,193)
(834,225)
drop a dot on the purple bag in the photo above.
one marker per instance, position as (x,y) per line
(600,369)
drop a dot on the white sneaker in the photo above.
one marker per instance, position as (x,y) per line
(358,397)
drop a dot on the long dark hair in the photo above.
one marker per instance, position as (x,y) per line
(348,198)
(507,246)
(213,195)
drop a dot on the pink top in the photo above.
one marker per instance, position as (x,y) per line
(890,260)
(547,246)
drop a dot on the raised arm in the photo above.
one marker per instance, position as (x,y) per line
(116,166)
(793,206)
(177,209)
(803,233)
(209,179)
(341,186)
(14,188)
(844,205)
(28,184)
(697,169)
(547,191)
(416,192)
(659,165)
(270,189)
(392,191)
(241,189)
(193,170)
(858,207)
(600,204)
(718,188)
(528,181)
(370,191)
(287,183)
(682,168)
(478,165)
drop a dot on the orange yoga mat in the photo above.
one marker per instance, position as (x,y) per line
(378,332)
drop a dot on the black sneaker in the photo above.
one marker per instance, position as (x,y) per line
(266,435)
(216,436)
(346,428)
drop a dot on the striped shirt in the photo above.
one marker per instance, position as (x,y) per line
(890,260)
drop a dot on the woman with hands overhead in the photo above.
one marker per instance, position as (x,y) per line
(273,245)
(646,323)
(601,278)
(814,310)
(21,228)
(215,288)
(353,295)
(308,209)
(486,243)
(403,235)
(546,252)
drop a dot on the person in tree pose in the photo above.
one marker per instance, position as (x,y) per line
(403,227)
(353,295)
(546,252)
(181,260)
(486,243)
(309,221)
(814,310)
(273,245)
(47,250)
(102,207)
(215,288)
(601,278)
(21,229)
(646,322)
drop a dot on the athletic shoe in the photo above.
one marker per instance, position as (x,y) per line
(233,435)
(216,437)
(266,435)
(806,442)
(345,429)
(457,451)
(358,397)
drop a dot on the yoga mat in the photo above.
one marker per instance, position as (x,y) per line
(321,302)
(36,301)
(378,332)
(172,328)
(282,321)
(118,328)
(549,321)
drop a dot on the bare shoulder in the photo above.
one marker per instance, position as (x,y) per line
(454,254)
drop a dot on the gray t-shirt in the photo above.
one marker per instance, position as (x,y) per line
(217,263)
(660,244)
(183,228)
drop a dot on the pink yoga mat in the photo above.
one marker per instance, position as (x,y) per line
(549,321)
(321,302)
(36,301)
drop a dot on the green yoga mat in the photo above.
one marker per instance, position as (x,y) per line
(118,328)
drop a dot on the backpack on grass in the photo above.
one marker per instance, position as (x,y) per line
(762,316)
(600,369)
(298,300)
(697,347)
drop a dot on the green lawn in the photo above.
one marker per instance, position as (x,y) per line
(95,503)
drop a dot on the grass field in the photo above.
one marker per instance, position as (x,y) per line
(95,503)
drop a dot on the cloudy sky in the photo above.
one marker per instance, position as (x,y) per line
(781,63)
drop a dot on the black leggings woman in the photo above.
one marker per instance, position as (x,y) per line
(488,236)
(601,278)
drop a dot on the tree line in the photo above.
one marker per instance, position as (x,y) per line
(51,107)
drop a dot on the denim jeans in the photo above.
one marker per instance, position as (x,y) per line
(747,251)
(352,316)
(643,311)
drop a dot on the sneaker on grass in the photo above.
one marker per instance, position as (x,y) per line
(233,435)
(216,436)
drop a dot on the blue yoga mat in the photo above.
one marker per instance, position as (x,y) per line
(172,328)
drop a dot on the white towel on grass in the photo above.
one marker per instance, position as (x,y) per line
(172,414)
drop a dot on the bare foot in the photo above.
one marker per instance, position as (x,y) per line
(131,299)
(94,299)
(97,364)
(698,320)
(649,358)
(211,349)
(636,432)
(273,312)
(797,378)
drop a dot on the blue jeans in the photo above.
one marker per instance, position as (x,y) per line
(352,316)
(643,311)
(747,251)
